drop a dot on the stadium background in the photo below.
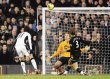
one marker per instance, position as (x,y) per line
(17,14)
(90,26)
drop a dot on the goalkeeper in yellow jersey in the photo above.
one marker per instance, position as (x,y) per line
(64,45)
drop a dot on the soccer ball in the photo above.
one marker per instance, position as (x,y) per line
(50,6)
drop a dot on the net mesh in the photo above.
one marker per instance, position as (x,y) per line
(93,25)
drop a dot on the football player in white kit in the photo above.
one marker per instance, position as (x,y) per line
(23,47)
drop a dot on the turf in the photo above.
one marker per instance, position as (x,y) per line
(54,77)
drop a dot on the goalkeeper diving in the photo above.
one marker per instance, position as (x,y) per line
(64,50)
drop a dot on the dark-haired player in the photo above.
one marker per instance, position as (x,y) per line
(75,51)
(23,48)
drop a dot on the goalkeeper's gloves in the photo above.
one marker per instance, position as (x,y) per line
(48,59)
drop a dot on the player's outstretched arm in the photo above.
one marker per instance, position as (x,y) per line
(48,59)
(85,49)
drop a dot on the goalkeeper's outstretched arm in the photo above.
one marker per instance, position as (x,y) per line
(56,53)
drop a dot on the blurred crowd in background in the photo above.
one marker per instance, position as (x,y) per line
(15,16)
(78,3)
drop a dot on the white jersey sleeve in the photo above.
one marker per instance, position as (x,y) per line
(30,42)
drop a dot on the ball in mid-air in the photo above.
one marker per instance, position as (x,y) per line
(50,6)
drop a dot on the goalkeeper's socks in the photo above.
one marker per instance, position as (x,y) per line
(23,67)
(34,64)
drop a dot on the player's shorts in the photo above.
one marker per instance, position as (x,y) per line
(22,51)
(73,60)
(75,57)
(64,60)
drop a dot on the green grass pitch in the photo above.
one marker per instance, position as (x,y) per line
(54,77)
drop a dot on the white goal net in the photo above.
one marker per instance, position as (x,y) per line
(91,23)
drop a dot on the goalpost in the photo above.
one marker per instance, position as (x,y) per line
(91,23)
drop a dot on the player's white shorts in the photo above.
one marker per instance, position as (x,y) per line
(21,51)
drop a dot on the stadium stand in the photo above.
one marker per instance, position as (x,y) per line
(15,16)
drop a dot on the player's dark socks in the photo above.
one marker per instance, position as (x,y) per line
(68,68)
(78,70)
(81,72)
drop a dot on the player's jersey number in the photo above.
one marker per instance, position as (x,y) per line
(77,44)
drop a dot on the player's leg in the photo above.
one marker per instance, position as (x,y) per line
(73,63)
(67,70)
(21,58)
(76,68)
(60,70)
(29,57)
(62,61)
(23,65)
(65,62)
(34,63)
(57,66)
(69,66)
